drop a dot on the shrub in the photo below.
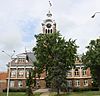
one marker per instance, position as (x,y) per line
(85,89)
(94,89)
(15,90)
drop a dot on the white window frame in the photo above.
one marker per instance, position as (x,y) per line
(20,84)
(76,73)
(69,83)
(27,73)
(20,73)
(69,74)
(84,72)
(77,83)
(12,83)
(85,82)
(13,73)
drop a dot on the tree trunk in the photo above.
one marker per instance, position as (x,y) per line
(58,91)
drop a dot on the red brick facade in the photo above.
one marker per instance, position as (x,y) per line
(3,81)
(79,77)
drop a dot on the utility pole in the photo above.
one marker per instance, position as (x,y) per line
(9,70)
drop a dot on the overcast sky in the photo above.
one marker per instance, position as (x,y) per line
(20,20)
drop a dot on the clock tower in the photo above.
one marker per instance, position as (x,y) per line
(49,25)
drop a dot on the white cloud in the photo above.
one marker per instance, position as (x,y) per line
(21,19)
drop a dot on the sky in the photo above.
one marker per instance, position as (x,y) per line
(20,20)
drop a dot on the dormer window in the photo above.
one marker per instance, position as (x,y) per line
(21,60)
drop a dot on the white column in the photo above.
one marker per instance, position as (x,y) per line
(16,72)
(72,72)
(80,72)
(24,72)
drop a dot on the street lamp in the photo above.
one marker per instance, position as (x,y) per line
(94,14)
(9,69)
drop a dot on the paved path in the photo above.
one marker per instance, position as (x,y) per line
(45,92)
(42,90)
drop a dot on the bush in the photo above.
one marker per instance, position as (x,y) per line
(94,89)
(85,89)
(15,90)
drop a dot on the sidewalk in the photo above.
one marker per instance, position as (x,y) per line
(44,92)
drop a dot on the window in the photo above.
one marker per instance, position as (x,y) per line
(46,30)
(69,83)
(21,60)
(27,73)
(69,74)
(76,72)
(20,73)
(77,83)
(11,83)
(84,72)
(13,73)
(85,82)
(51,30)
(19,83)
(38,83)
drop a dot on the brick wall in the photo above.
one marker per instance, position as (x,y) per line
(3,81)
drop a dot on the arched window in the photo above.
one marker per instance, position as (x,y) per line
(46,30)
(76,72)
(51,30)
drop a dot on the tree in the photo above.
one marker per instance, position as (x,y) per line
(92,60)
(29,83)
(56,56)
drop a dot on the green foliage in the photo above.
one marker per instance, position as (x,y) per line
(15,90)
(29,83)
(85,93)
(92,60)
(56,56)
(85,89)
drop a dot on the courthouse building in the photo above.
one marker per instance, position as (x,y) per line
(19,67)
(78,76)
(19,70)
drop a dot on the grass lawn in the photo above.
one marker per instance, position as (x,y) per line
(13,94)
(17,94)
(85,93)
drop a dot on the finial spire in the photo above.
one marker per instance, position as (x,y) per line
(49,13)
(50,4)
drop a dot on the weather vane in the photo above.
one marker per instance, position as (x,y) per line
(49,13)
(50,4)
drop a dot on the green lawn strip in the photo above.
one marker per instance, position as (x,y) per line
(13,94)
(85,93)
(37,94)
(18,94)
